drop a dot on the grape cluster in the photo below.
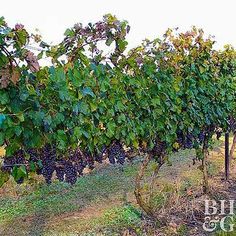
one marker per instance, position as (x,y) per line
(33,155)
(180,138)
(89,160)
(60,173)
(68,168)
(20,180)
(70,173)
(189,141)
(16,160)
(159,149)
(116,153)
(185,141)
(201,136)
(48,156)
(99,155)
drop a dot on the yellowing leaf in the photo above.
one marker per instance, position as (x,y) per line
(135,143)
(201,69)
(176,145)
(2,151)
(176,87)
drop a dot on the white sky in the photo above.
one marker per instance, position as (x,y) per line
(147,18)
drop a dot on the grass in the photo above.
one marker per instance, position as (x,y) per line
(101,203)
(59,197)
(109,223)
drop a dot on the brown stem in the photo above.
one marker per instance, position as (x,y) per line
(146,207)
(138,187)
(154,176)
(10,57)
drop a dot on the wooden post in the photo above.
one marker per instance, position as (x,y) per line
(233,146)
(227,156)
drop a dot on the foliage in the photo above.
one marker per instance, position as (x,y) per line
(166,94)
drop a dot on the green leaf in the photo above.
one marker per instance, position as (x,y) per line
(18,130)
(19,172)
(37,117)
(12,148)
(32,166)
(201,69)
(44,45)
(48,119)
(39,164)
(122,44)
(93,106)
(88,91)
(121,118)
(2,20)
(135,143)
(83,108)
(24,96)
(21,117)
(61,139)
(40,55)
(36,140)
(69,32)
(22,37)
(111,129)
(63,94)
(156,101)
(77,132)
(4,98)
(59,118)
(109,41)
(1,138)
(2,118)
(23,171)
(86,134)
(120,106)
(131,136)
